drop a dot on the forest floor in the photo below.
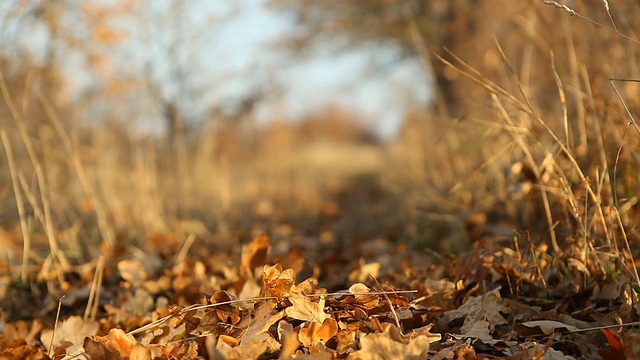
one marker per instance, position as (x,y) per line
(346,280)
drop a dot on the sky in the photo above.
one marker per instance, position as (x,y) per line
(352,79)
(230,47)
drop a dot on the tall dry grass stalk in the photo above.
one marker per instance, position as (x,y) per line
(24,227)
(106,229)
(57,256)
(566,141)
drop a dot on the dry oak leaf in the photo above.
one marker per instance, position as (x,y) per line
(346,341)
(18,333)
(426,332)
(313,333)
(96,350)
(541,327)
(289,339)
(367,301)
(117,341)
(133,271)
(386,345)
(72,330)
(365,271)
(487,306)
(262,319)
(466,352)
(254,254)
(24,352)
(277,282)
(317,352)
(249,347)
(542,352)
(479,330)
(226,311)
(140,352)
(306,308)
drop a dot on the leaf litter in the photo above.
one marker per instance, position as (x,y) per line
(272,302)
(261,310)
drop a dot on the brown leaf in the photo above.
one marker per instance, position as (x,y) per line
(426,332)
(382,346)
(346,341)
(97,350)
(264,316)
(541,327)
(72,330)
(254,255)
(466,352)
(133,271)
(313,333)
(289,339)
(250,347)
(306,308)
(478,329)
(228,313)
(365,271)
(228,340)
(293,259)
(361,297)
(117,341)
(24,352)
(21,332)
(277,282)
(140,352)
(488,306)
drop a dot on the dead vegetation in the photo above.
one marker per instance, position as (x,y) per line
(508,232)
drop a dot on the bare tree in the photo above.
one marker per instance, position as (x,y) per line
(414,27)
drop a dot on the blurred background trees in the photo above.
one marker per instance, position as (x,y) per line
(125,61)
(174,120)
(414,28)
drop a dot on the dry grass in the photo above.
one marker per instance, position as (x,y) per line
(541,162)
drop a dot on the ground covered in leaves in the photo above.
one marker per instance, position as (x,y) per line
(352,289)
(500,224)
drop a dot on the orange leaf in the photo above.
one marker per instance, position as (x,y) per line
(277,282)
(118,341)
(254,254)
(614,339)
(314,333)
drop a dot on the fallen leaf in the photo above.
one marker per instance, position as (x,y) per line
(24,352)
(542,352)
(264,316)
(140,352)
(277,282)
(133,271)
(365,271)
(117,341)
(381,346)
(313,333)
(72,330)
(251,347)
(540,327)
(466,352)
(478,329)
(306,308)
(97,350)
(254,255)
(617,350)
(487,307)
(346,341)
